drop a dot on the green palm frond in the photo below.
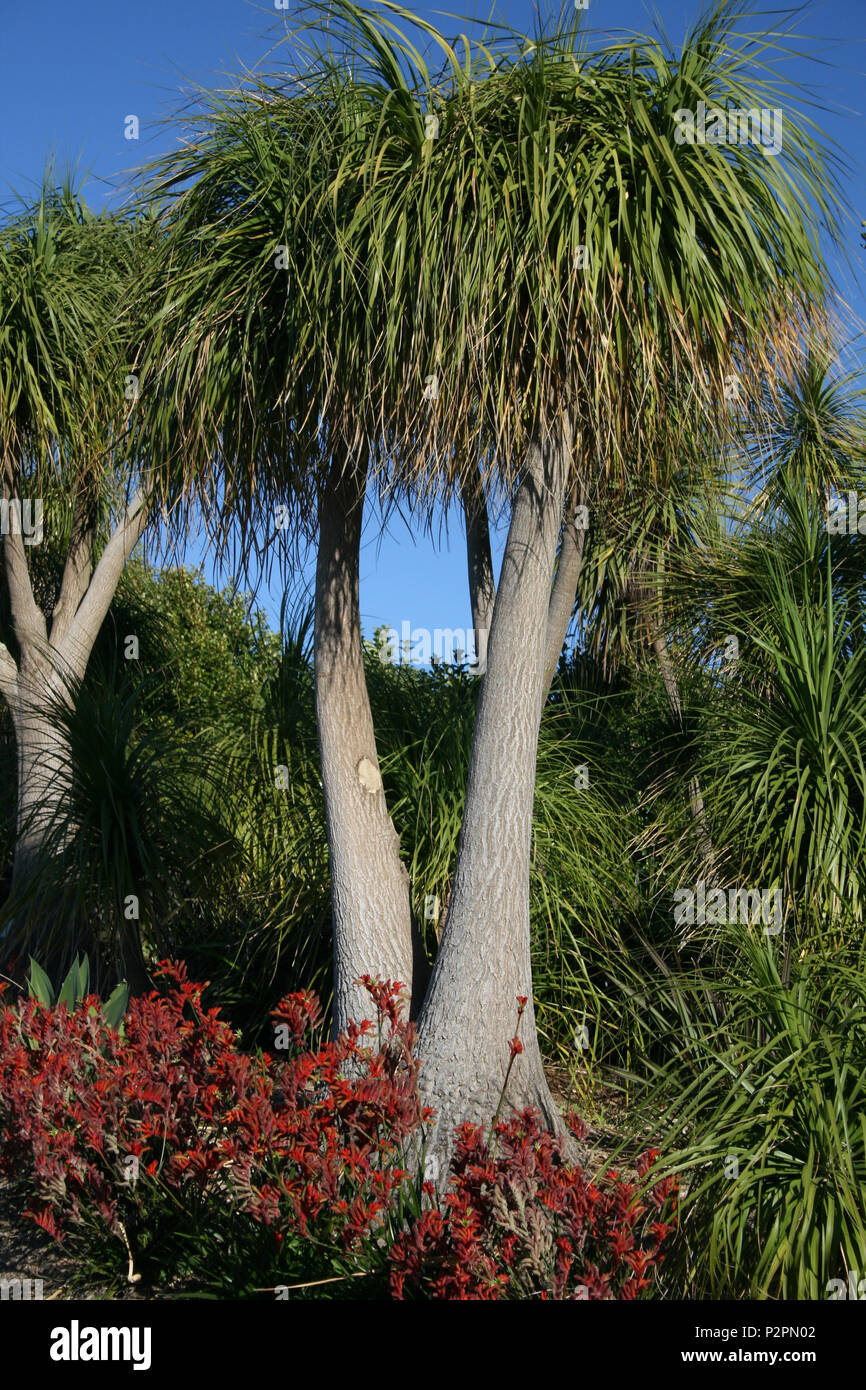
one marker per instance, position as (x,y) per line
(339,279)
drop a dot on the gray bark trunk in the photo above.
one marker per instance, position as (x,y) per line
(482,586)
(562,598)
(47,672)
(373,928)
(43,764)
(483,963)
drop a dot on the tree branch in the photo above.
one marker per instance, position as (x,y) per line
(76,572)
(75,647)
(8,676)
(28,619)
(562,598)
(564,591)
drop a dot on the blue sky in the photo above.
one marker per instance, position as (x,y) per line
(72,74)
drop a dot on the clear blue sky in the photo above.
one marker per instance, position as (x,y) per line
(70,74)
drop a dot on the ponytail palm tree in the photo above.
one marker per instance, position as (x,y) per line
(813,436)
(256,358)
(482,263)
(791,779)
(68,385)
(566,249)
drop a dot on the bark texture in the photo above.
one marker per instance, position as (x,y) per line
(374,933)
(483,963)
(44,769)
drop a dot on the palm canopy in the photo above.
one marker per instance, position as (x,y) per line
(436,288)
(811,435)
(229,338)
(69,336)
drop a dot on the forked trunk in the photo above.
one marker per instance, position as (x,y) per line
(45,676)
(372,918)
(483,963)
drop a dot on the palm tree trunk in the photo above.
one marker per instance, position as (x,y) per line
(44,773)
(482,587)
(374,933)
(483,963)
(47,671)
(562,597)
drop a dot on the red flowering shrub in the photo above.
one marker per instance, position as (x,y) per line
(519,1221)
(87,1111)
(97,1123)
(320,1142)
(131,1130)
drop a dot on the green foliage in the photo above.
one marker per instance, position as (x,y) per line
(76,987)
(768,1090)
(215,653)
(66,315)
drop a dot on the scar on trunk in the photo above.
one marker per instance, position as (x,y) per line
(369,776)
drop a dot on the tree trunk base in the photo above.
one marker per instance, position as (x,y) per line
(464,1085)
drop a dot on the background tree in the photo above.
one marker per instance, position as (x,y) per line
(68,351)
